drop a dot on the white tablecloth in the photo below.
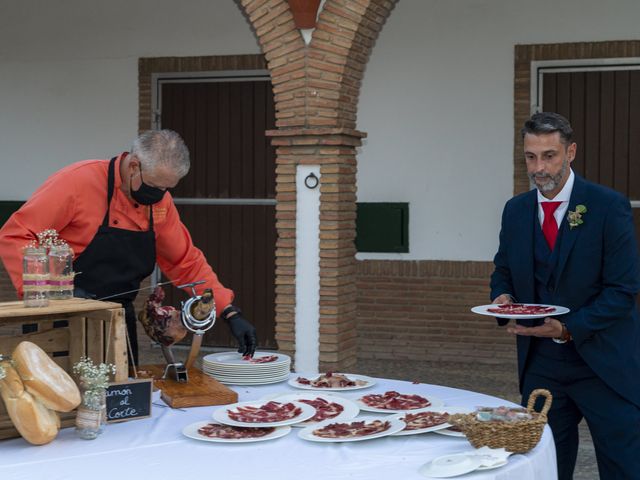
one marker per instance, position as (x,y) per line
(154,448)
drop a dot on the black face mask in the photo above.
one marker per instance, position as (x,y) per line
(146,194)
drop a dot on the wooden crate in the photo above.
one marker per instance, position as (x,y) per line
(66,330)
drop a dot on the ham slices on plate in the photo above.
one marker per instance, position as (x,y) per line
(229,431)
(355,430)
(332,381)
(324,409)
(422,420)
(268,413)
(263,414)
(520,310)
(327,405)
(431,420)
(208,431)
(395,402)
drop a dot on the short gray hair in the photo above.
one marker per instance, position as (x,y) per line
(548,122)
(162,147)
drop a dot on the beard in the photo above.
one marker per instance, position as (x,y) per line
(553,180)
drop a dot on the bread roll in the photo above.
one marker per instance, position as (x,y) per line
(11,384)
(36,423)
(44,379)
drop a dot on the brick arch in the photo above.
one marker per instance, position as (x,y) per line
(318,85)
(338,54)
(316,90)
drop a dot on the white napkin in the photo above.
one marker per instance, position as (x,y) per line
(491,456)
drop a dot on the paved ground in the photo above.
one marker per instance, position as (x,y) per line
(499,381)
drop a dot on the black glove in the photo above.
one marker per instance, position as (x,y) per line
(242,329)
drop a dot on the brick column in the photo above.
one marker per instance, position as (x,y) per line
(335,151)
(316,89)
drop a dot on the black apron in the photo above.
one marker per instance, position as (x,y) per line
(116,261)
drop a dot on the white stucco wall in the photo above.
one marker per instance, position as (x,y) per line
(69,74)
(437,104)
(436,101)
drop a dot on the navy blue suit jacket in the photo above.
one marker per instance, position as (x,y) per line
(597,276)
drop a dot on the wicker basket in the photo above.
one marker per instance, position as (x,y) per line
(516,437)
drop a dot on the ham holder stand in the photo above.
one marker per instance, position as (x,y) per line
(197,324)
(182,384)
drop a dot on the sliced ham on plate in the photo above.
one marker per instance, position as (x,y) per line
(269,412)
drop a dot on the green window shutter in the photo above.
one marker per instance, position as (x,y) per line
(382,227)
(7,208)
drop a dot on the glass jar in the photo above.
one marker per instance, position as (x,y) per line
(60,272)
(35,277)
(92,412)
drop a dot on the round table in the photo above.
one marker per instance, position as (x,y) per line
(154,448)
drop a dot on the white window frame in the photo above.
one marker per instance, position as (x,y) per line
(159,79)
(540,67)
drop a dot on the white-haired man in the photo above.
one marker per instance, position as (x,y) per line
(120,221)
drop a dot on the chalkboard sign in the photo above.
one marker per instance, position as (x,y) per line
(129,400)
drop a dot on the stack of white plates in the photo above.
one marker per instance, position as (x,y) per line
(232,369)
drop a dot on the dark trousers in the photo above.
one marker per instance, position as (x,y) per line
(577,392)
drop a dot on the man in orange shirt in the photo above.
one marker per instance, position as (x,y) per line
(120,220)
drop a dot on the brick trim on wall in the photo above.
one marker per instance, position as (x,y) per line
(421,310)
(524,55)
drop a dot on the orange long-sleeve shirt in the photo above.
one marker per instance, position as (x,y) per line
(73,202)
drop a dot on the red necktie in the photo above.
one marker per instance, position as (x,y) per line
(549,224)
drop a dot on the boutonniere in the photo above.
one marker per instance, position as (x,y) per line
(575,217)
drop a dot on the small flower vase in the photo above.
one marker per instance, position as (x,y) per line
(92,412)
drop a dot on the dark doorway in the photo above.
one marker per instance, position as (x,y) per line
(227,201)
(603,105)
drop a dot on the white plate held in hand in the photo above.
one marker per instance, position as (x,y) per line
(484,310)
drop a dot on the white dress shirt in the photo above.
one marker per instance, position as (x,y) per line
(563,196)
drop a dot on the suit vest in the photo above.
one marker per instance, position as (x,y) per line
(545,262)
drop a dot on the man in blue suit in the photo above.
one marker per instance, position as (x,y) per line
(570,242)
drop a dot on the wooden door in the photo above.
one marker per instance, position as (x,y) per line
(603,106)
(227,201)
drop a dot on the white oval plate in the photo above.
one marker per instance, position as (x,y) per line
(450,465)
(484,310)
(436,404)
(234,359)
(307,432)
(253,382)
(294,383)
(350,411)
(262,373)
(254,372)
(244,381)
(191,431)
(435,428)
(237,376)
(222,415)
